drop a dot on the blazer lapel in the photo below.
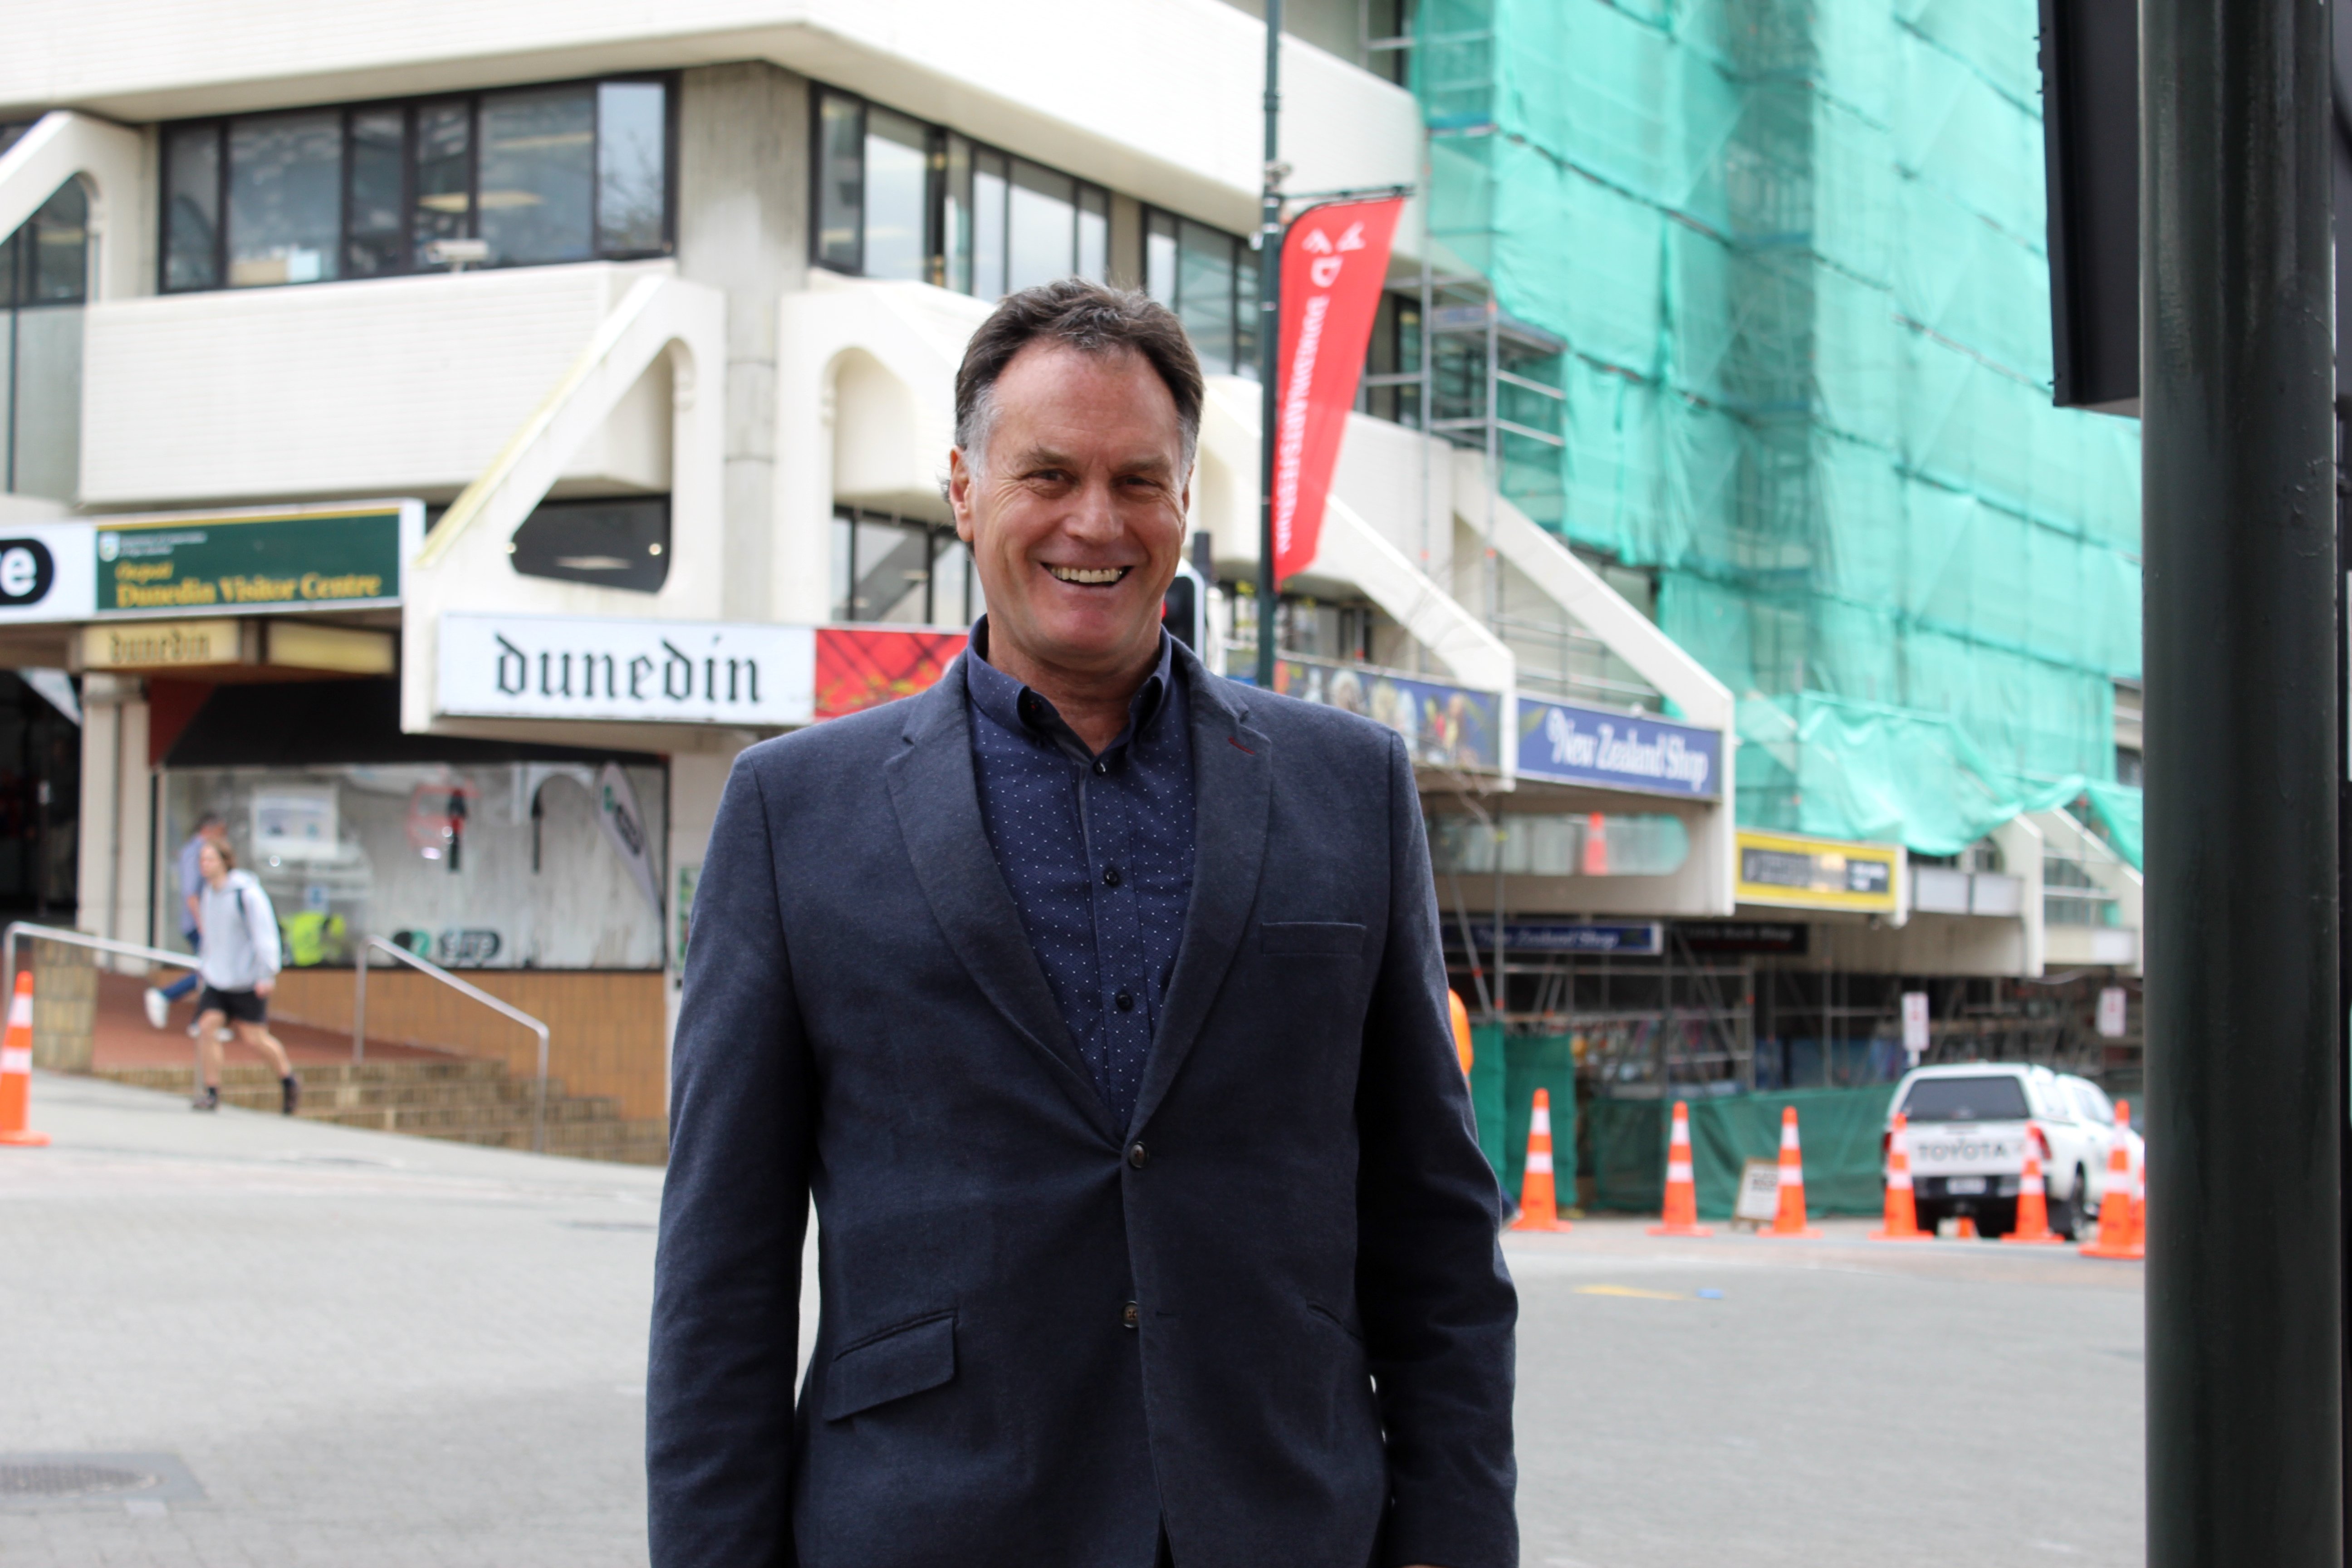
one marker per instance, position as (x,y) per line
(1233,793)
(937,798)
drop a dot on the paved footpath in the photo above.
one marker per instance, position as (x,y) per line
(363,1351)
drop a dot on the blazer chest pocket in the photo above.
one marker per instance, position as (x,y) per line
(1343,938)
(891,1366)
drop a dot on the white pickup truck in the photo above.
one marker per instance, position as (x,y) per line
(1969,1127)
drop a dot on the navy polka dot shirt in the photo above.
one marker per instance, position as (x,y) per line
(1097,850)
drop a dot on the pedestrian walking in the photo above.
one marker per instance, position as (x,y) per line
(238,959)
(1099,1002)
(210,829)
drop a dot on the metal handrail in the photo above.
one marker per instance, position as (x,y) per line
(359,1021)
(102,944)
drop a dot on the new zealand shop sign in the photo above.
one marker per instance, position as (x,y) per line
(262,561)
(1562,744)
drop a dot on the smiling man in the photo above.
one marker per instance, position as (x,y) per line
(1097,1002)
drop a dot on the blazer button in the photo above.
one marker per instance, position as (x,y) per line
(1138,1157)
(1131,1314)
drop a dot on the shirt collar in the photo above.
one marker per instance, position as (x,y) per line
(1023,710)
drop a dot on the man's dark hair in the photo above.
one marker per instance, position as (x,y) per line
(209,819)
(1092,319)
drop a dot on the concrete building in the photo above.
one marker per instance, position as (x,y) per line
(441,440)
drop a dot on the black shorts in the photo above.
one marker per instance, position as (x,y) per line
(241,1007)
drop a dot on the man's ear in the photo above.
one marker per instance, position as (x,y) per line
(959,478)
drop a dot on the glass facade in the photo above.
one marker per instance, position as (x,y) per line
(1209,277)
(490,865)
(542,174)
(898,198)
(902,570)
(43,283)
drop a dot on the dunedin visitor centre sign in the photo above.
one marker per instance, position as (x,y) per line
(260,561)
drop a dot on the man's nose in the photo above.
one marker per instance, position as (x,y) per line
(1093,515)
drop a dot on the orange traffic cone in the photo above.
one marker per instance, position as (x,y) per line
(1901,1223)
(1460,1014)
(1964,1228)
(2034,1206)
(1539,1210)
(1792,1221)
(2118,1238)
(1681,1217)
(17,1068)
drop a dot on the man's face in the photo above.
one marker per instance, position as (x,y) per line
(1076,514)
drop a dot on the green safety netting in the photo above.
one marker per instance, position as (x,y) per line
(1839,1128)
(1796,249)
(2118,808)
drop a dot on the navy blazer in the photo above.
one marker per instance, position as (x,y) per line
(1272,1320)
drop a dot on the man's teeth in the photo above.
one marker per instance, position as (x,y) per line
(1092,574)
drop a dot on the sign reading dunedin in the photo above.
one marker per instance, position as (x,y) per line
(1563,743)
(690,672)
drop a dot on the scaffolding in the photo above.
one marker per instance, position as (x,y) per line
(1787,258)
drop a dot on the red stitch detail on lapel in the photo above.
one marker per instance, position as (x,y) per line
(1237,746)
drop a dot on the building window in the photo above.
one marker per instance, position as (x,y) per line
(621,543)
(44,282)
(569,172)
(900,198)
(1209,277)
(902,570)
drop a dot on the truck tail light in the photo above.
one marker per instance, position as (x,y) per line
(2041,1143)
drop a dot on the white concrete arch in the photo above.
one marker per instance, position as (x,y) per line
(864,413)
(111,162)
(662,322)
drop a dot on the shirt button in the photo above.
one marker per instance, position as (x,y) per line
(1102,765)
(1110,875)
(1124,1001)
(1131,1314)
(1138,1157)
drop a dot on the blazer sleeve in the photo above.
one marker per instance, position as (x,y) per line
(1438,1308)
(726,1274)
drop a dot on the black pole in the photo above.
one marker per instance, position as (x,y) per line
(2245,1091)
(1269,340)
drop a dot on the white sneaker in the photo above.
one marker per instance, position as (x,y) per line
(226,1035)
(158,1010)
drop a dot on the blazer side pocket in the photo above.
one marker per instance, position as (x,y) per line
(1344,937)
(891,1366)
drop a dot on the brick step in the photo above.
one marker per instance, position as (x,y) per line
(457,1100)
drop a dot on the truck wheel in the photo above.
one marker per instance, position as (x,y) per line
(2067,1216)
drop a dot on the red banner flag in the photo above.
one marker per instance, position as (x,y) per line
(1335,261)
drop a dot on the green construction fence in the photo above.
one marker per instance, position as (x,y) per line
(1840,1130)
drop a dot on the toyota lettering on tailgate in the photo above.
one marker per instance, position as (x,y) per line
(1960,1149)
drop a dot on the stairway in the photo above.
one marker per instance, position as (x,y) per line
(462,1100)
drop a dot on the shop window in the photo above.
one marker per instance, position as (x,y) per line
(538,175)
(621,543)
(898,198)
(474,865)
(44,272)
(1391,384)
(1209,277)
(899,570)
(1581,844)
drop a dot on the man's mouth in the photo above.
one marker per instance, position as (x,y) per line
(1089,576)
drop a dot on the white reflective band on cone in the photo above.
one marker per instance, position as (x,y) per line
(1678,1172)
(1793,1175)
(1901,1180)
(20,1010)
(1788,1135)
(15,1059)
(1539,1163)
(1542,1123)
